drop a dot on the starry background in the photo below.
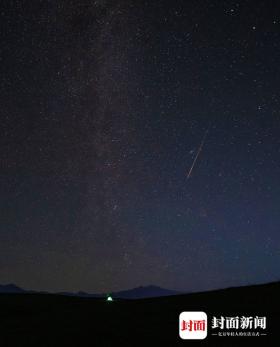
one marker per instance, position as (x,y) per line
(104,105)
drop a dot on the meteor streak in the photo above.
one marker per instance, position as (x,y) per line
(197,154)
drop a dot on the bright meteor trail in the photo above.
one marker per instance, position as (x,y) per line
(197,154)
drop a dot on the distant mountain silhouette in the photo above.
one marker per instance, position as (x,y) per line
(10,288)
(135,293)
(144,292)
(81,294)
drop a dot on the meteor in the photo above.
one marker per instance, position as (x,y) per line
(197,154)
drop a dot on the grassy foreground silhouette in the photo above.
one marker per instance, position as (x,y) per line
(57,320)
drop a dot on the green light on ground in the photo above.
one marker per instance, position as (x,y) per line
(109,298)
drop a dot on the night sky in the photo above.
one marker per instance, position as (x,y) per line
(105,107)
